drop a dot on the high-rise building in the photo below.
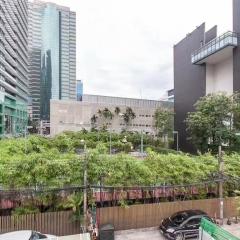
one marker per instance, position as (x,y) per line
(13,66)
(79,90)
(52,43)
(204,63)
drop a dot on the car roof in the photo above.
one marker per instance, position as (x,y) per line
(17,235)
(192,212)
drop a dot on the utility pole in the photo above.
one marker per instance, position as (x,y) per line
(221,174)
(110,144)
(85,186)
(25,137)
(141,142)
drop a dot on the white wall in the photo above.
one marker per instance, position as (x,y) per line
(219,77)
(74,116)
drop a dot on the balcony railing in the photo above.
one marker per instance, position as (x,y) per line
(225,40)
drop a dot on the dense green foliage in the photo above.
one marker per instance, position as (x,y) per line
(215,122)
(164,119)
(45,162)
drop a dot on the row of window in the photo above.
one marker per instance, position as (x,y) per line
(142,115)
(121,124)
(136,125)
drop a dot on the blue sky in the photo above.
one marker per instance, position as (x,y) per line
(125,47)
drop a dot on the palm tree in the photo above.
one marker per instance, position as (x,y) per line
(107,114)
(117,110)
(129,115)
(94,119)
(75,202)
(99,112)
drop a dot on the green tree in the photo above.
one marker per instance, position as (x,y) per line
(128,116)
(213,122)
(94,119)
(117,110)
(105,115)
(164,121)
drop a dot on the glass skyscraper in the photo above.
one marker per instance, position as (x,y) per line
(52,56)
(13,66)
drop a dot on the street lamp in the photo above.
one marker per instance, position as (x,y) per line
(176,132)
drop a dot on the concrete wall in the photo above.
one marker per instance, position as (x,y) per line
(74,116)
(219,77)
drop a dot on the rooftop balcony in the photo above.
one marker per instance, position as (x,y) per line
(216,50)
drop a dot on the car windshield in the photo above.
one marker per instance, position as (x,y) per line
(178,218)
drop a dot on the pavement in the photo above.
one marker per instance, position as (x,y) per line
(148,233)
(234,229)
(76,237)
(139,234)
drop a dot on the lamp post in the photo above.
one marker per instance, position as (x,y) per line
(176,132)
(85,184)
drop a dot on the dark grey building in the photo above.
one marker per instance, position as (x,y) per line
(204,63)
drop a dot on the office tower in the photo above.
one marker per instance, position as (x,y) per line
(79,90)
(13,66)
(52,40)
(204,63)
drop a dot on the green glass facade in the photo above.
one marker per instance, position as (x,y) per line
(13,117)
(50,71)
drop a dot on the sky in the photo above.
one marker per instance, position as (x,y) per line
(125,47)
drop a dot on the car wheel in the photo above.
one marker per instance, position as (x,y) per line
(179,236)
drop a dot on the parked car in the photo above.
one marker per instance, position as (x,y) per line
(183,225)
(26,235)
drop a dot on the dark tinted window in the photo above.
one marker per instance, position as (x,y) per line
(194,221)
(178,218)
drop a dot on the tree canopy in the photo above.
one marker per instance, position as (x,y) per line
(43,162)
(214,122)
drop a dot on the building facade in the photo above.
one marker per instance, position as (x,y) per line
(13,66)
(79,90)
(75,116)
(204,63)
(52,47)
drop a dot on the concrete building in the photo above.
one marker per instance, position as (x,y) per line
(75,116)
(204,63)
(79,90)
(13,66)
(52,47)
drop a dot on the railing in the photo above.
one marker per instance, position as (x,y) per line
(227,39)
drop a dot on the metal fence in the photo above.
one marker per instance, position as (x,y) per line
(56,223)
(150,215)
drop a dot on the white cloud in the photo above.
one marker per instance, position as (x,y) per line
(125,47)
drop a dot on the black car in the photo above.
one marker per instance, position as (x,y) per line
(183,225)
